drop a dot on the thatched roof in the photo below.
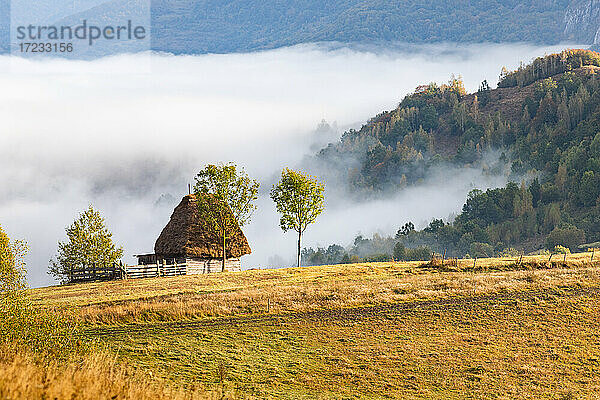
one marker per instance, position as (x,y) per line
(187,234)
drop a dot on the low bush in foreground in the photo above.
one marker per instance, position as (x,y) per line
(23,327)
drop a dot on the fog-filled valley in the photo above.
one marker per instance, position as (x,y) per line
(128,134)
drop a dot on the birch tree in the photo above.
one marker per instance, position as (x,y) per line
(299,199)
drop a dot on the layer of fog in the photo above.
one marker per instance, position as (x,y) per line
(78,133)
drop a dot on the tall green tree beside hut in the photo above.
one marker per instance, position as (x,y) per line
(225,196)
(89,244)
(299,199)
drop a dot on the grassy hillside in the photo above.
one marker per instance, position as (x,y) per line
(514,328)
(291,289)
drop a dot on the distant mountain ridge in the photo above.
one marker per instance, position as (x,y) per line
(210,26)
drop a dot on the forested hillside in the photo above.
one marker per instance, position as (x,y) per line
(182,26)
(544,120)
(208,26)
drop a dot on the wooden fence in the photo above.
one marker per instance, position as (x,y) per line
(96,273)
(120,271)
(154,270)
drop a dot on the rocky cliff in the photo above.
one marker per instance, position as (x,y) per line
(582,22)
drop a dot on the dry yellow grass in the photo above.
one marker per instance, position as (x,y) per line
(529,345)
(303,289)
(498,328)
(95,376)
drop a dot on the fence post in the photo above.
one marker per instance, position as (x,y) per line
(444,257)
(474,263)
(565,259)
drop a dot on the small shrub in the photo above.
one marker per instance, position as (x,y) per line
(561,250)
(399,252)
(379,258)
(418,254)
(510,252)
(482,250)
(354,259)
(542,252)
(568,236)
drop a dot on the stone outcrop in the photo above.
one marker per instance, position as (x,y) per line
(582,22)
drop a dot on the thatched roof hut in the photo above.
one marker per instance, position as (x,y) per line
(188,235)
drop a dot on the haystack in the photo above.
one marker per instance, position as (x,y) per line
(189,236)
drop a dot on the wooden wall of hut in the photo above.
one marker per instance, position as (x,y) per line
(197,266)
